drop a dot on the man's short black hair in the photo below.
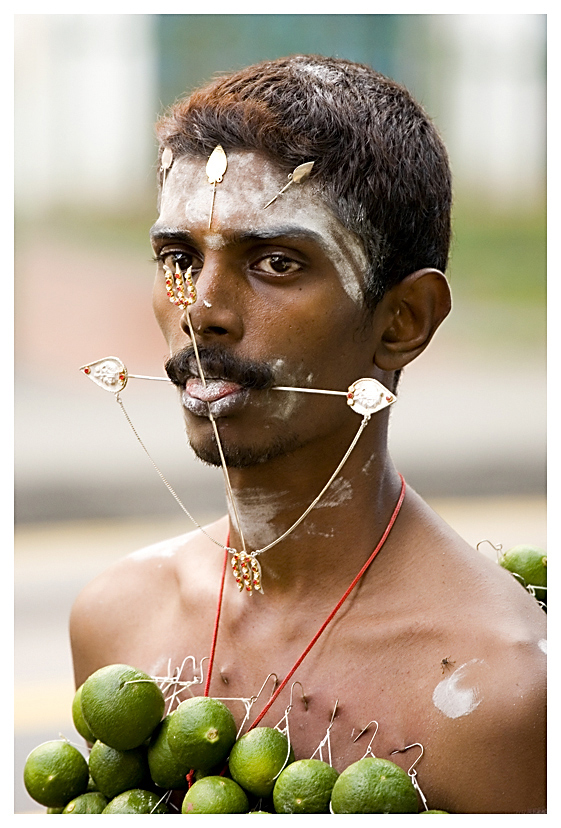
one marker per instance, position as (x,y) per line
(379,161)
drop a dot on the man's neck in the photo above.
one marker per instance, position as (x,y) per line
(339,533)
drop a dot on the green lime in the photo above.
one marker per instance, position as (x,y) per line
(374,786)
(257,759)
(78,717)
(54,773)
(304,787)
(137,801)
(215,795)
(92,787)
(434,812)
(201,733)
(115,771)
(88,803)
(121,705)
(529,563)
(54,810)
(165,769)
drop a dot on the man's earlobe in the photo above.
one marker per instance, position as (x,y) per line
(409,315)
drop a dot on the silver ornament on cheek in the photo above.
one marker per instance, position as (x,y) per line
(109,373)
(367,395)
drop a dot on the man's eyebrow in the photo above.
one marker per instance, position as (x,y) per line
(158,233)
(161,232)
(287,231)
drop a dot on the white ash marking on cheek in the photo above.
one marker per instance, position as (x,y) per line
(289,401)
(542,644)
(162,549)
(455,701)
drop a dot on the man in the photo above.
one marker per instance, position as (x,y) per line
(316,280)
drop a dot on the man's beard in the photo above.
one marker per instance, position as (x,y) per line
(244,457)
(220,364)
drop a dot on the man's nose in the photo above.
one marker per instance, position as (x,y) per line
(216,312)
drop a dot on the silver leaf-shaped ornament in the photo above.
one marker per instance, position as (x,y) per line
(297,176)
(109,373)
(167,159)
(216,165)
(302,172)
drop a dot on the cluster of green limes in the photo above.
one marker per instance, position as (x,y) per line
(529,566)
(138,755)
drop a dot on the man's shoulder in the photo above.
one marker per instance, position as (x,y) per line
(494,745)
(137,598)
(144,570)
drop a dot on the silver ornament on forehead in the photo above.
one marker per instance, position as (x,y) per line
(216,166)
(297,176)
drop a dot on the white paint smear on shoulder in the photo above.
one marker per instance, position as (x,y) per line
(455,700)
(162,549)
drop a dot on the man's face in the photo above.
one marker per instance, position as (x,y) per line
(280,289)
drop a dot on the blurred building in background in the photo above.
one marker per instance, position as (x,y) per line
(88,90)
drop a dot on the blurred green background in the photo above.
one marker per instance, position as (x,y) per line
(468,430)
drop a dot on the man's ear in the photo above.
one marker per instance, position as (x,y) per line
(409,315)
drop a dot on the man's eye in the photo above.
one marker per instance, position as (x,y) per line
(184,260)
(277,263)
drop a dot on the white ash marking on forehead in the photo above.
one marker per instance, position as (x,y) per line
(542,644)
(188,193)
(215,241)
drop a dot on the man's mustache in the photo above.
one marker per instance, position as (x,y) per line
(219,364)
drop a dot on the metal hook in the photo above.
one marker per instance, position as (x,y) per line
(498,547)
(364,729)
(327,738)
(271,675)
(411,771)
(368,750)
(304,699)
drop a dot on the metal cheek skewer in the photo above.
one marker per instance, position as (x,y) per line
(365,396)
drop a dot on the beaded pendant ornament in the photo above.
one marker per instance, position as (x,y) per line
(180,288)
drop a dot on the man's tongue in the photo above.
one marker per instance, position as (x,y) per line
(214,389)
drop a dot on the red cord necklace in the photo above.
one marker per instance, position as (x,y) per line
(329,618)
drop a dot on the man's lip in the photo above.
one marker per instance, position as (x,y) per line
(211,390)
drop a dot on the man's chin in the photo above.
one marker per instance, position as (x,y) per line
(242,457)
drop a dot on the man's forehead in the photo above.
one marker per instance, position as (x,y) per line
(240,201)
(240,211)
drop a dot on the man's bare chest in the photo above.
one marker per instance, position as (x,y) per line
(355,683)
